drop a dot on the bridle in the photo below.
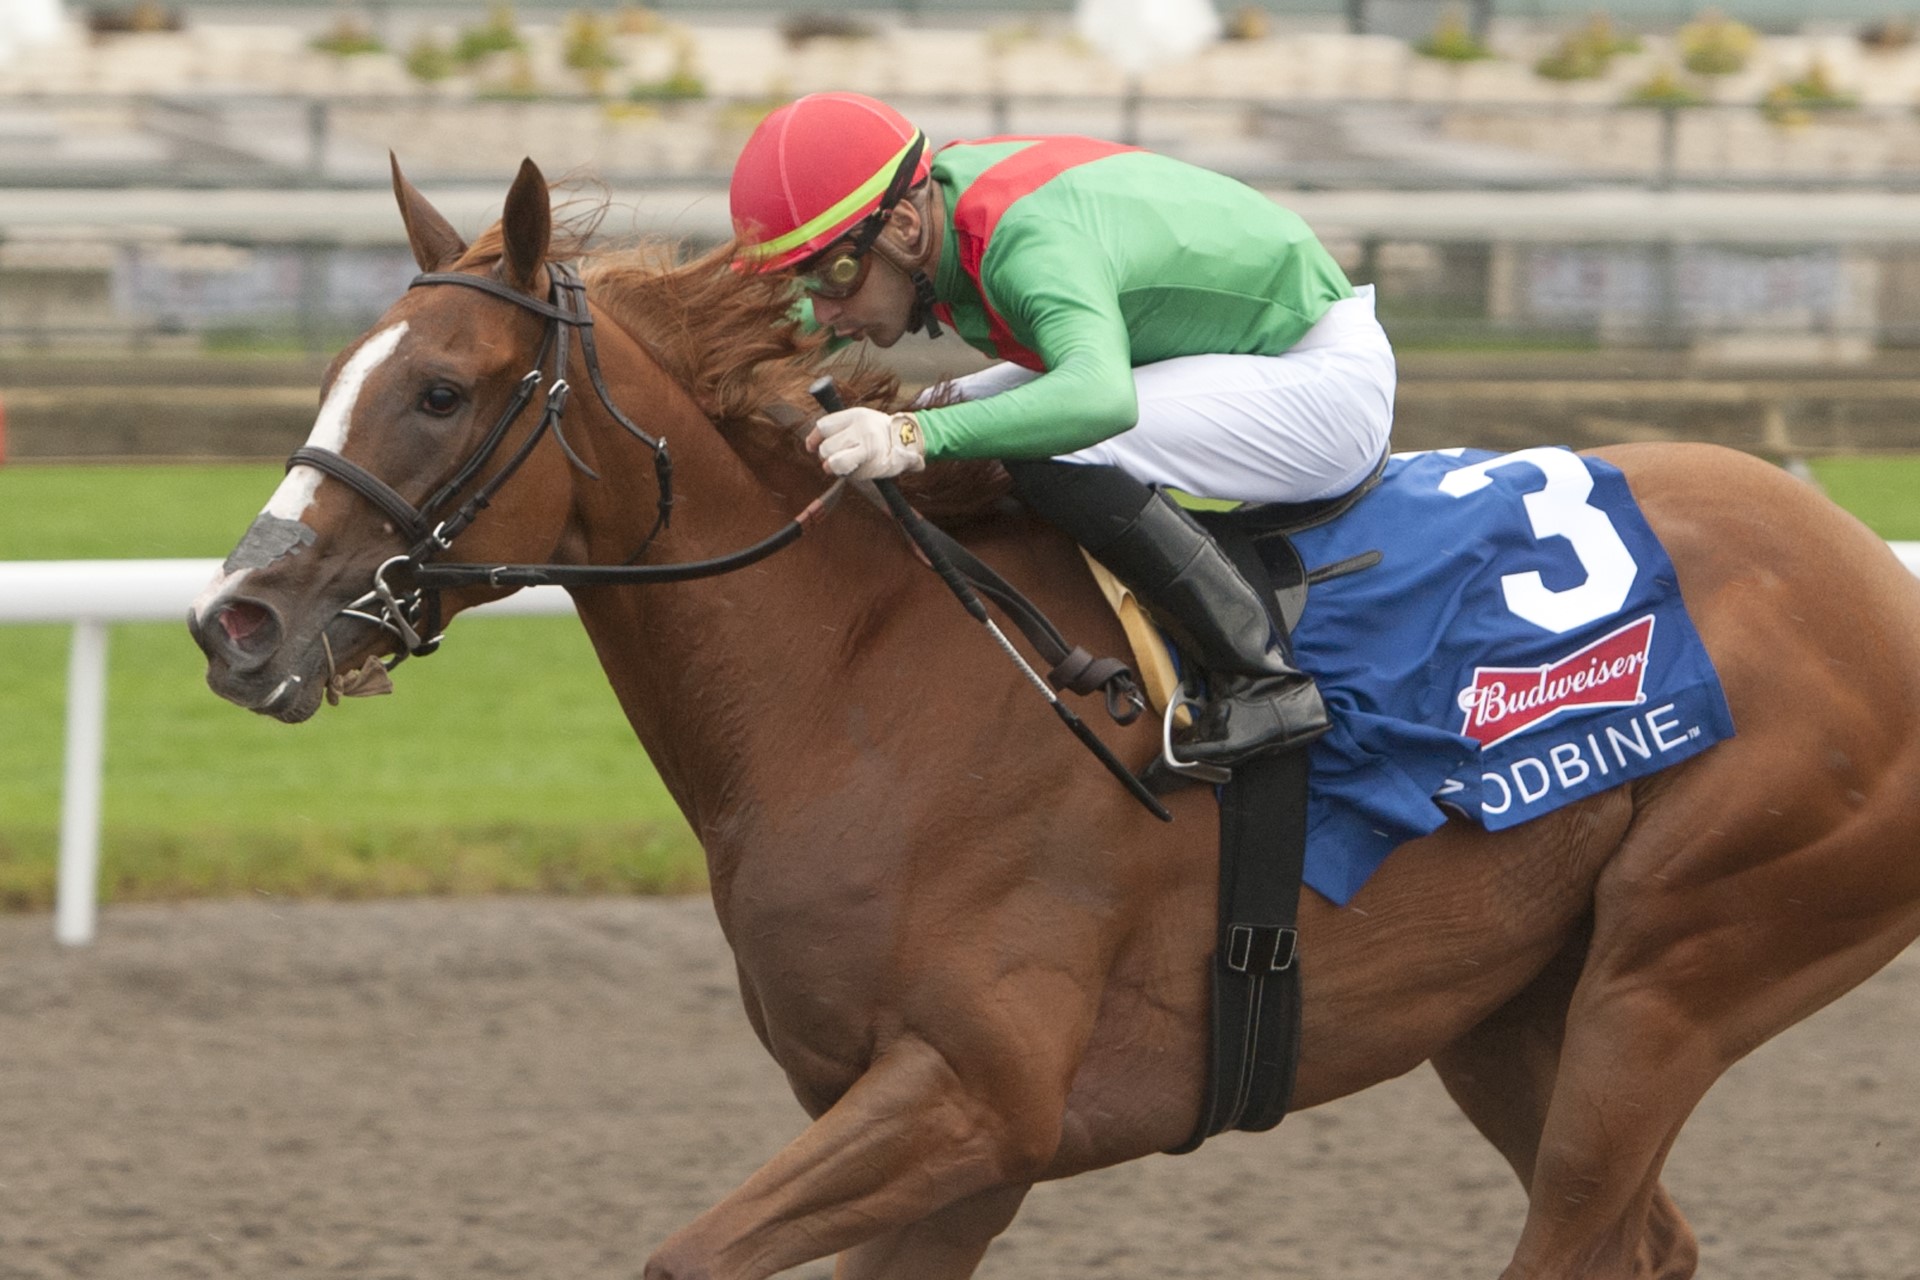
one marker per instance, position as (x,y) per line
(405,600)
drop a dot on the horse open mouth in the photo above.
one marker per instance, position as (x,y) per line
(291,701)
(253,663)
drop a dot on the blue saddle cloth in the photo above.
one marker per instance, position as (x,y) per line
(1521,644)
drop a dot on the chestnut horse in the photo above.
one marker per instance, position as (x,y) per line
(978,961)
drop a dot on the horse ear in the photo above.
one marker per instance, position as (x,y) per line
(435,243)
(526,228)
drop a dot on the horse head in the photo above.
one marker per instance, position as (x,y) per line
(438,402)
(474,409)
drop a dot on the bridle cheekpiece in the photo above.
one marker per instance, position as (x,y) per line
(405,600)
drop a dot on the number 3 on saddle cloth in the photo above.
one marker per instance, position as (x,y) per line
(1521,643)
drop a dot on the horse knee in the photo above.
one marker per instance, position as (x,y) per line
(1026,1145)
(1015,1131)
(1003,1118)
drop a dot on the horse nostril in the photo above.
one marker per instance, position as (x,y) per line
(246,625)
(241,620)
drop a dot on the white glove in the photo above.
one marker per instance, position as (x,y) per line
(867,444)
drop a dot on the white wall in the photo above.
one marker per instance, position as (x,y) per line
(29,24)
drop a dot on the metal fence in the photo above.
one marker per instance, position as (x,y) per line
(92,594)
(236,293)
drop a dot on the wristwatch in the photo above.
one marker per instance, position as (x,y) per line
(908,428)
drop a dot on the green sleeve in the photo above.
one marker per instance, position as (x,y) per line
(1116,263)
(1067,309)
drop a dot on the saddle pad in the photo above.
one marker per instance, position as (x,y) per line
(1521,644)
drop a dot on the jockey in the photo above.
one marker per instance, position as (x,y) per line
(1159,325)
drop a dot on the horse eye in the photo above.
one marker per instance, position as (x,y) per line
(440,401)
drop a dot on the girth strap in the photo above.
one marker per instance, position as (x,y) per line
(1253,1045)
(1255,1016)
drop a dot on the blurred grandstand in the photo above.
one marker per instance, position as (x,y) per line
(1521,178)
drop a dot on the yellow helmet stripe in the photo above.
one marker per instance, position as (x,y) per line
(839,212)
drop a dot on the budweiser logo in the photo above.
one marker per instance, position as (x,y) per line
(1503,701)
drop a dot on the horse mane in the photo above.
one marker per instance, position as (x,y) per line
(730,339)
(732,342)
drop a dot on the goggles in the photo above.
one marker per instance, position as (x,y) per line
(837,273)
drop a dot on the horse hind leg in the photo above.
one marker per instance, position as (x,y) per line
(1713,931)
(1671,1251)
(1630,1074)
(1501,1073)
(1502,1076)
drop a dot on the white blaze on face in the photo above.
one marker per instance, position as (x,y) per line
(296,493)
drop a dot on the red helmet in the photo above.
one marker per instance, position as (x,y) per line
(814,169)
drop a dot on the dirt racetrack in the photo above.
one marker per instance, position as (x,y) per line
(545,1088)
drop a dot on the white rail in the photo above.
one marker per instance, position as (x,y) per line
(90,594)
(93,593)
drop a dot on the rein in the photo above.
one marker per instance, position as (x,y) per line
(405,600)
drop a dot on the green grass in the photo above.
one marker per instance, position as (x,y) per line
(114,512)
(500,764)
(1884,492)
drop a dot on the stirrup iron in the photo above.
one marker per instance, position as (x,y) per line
(1196,771)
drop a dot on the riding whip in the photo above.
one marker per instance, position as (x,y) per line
(827,394)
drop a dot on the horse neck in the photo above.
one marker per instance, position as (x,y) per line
(726,679)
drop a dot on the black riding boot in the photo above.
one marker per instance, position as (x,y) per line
(1260,700)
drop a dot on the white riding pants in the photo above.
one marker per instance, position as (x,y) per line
(1307,424)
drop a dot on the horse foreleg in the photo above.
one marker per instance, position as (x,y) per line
(909,1139)
(947,1245)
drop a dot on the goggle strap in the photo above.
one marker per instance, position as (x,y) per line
(869,229)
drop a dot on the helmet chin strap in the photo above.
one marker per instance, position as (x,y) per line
(923,304)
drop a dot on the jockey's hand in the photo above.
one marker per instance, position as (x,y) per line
(866,444)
